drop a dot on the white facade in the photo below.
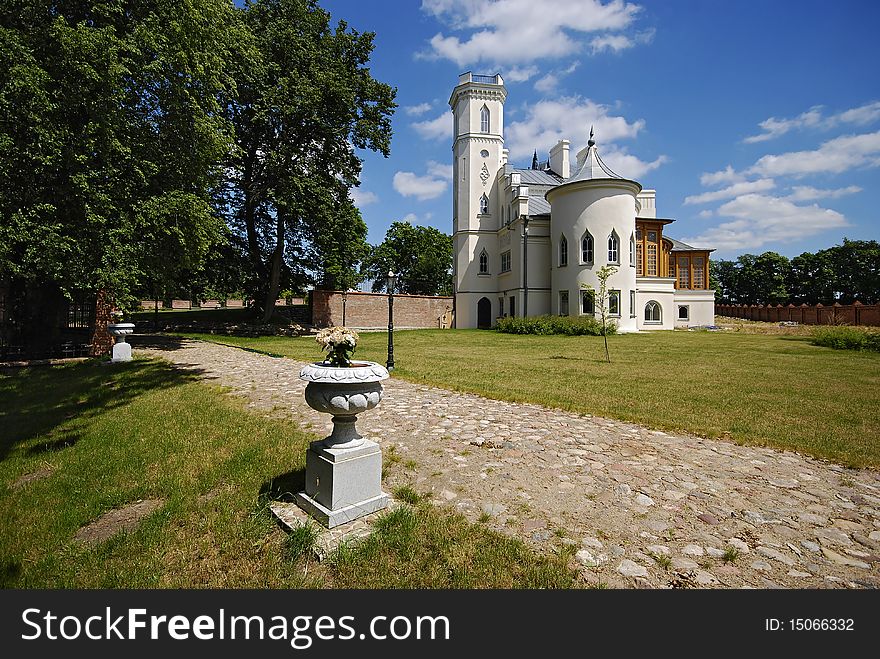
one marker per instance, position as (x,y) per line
(530,242)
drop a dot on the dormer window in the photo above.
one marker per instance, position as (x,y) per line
(484,205)
(484,120)
(587,249)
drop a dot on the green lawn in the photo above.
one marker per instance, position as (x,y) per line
(769,390)
(102,437)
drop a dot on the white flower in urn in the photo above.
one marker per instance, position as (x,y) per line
(339,342)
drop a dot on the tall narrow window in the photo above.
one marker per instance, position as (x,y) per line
(563,303)
(588,303)
(653,312)
(484,262)
(484,120)
(632,251)
(613,248)
(505,261)
(632,304)
(613,303)
(587,248)
(484,205)
(699,278)
(671,258)
(640,254)
(684,272)
(651,254)
(512,307)
(563,252)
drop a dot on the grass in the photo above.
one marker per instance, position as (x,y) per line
(847,338)
(758,389)
(104,436)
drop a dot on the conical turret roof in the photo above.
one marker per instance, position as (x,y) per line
(593,167)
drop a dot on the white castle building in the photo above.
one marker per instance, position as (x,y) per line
(525,241)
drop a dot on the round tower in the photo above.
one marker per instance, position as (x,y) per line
(593,222)
(477,104)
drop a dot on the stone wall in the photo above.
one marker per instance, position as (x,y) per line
(370,310)
(836,314)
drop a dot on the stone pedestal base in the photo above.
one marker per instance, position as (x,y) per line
(121,352)
(343,484)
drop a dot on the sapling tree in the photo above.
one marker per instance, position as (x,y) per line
(600,299)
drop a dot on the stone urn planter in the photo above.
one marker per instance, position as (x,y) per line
(121,349)
(343,470)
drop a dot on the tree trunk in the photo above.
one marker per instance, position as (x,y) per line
(275,269)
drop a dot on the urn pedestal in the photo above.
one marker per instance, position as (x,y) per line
(121,349)
(343,470)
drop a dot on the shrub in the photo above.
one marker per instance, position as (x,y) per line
(543,325)
(846,338)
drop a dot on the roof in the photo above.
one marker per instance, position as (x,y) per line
(535,176)
(538,206)
(678,246)
(594,167)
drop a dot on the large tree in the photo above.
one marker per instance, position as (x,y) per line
(306,102)
(112,138)
(420,256)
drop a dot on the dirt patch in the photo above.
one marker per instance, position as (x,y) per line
(121,519)
(42,472)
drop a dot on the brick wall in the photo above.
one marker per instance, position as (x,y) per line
(370,310)
(836,314)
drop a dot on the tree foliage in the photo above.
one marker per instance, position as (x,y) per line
(842,273)
(306,101)
(420,256)
(111,139)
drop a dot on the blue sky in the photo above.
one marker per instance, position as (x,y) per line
(757,122)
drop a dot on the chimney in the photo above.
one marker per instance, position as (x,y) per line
(559,161)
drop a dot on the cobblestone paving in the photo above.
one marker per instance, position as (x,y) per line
(643,508)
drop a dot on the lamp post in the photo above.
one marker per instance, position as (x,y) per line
(390,280)
(525,219)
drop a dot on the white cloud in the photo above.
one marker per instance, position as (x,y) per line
(520,73)
(726,175)
(706,213)
(550,81)
(420,187)
(735,190)
(773,127)
(548,121)
(833,157)
(440,170)
(362,198)
(412,218)
(417,110)
(629,166)
(760,219)
(439,128)
(522,31)
(612,42)
(807,193)
(860,116)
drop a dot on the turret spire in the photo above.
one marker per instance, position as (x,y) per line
(591,141)
(535,160)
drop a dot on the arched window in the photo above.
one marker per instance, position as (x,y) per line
(632,251)
(613,248)
(587,248)
(484,120)
(653,312)
(484,205)
(563,252)
(484,262)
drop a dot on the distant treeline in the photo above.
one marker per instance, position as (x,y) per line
(843,273)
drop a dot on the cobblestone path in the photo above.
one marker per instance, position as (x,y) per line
(643,508)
